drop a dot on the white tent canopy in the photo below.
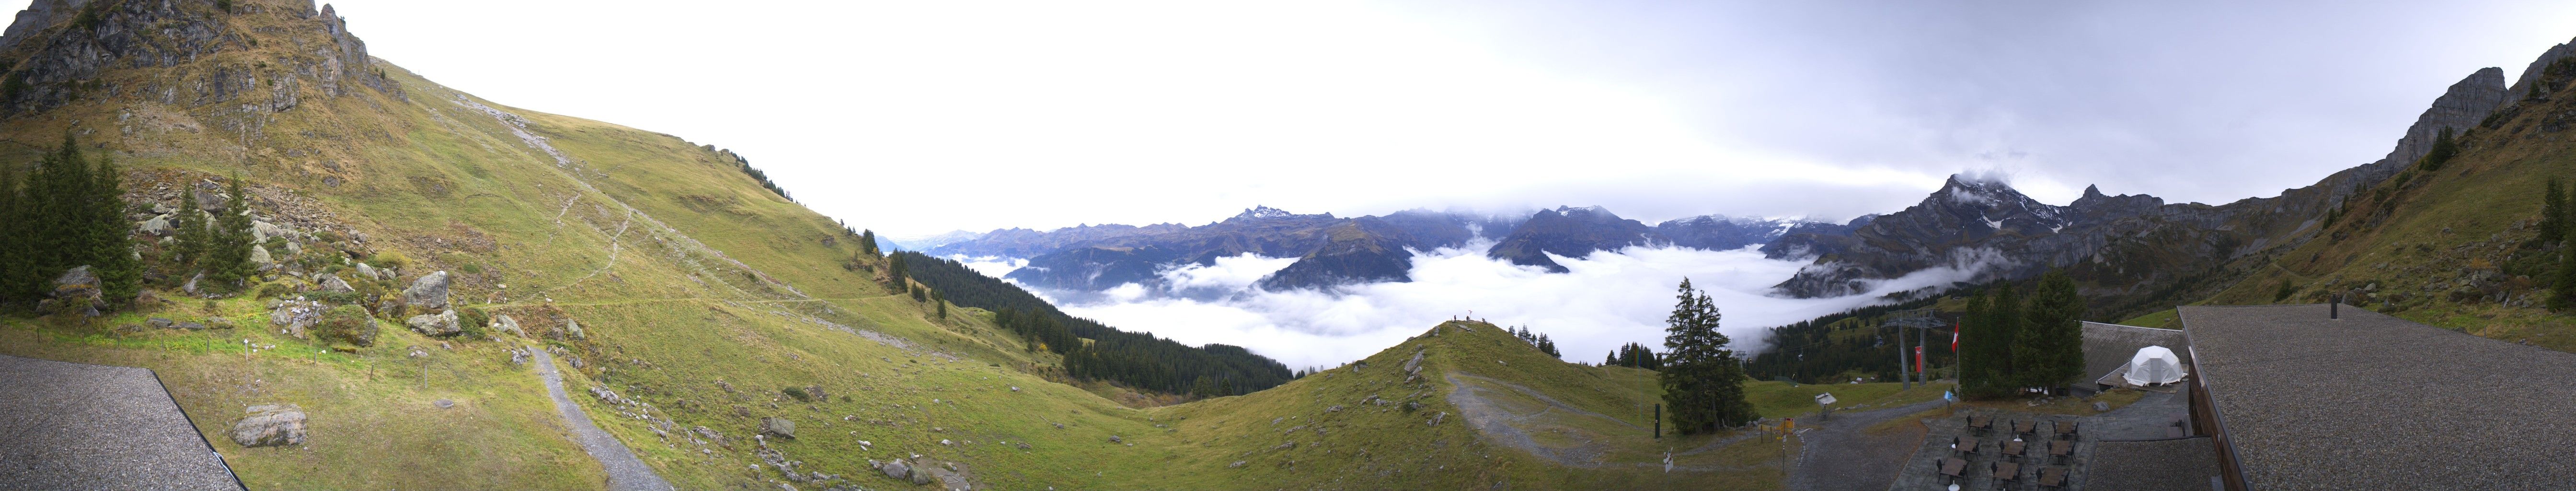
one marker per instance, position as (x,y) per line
(2154,365)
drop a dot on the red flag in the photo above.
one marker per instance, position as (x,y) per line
(1918,359)
(1954,337)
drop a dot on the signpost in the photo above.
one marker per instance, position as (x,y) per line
(1824,409)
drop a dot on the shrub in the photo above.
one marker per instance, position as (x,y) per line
(471,268)
(349,324)
(799,394)
(473,318)
(390,258)
(275,290)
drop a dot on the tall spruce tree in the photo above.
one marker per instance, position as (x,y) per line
(16,254)
(110,242)
(227,260)
(189,237)
(1703,384)
(2049,350)
(868,243)
(1992,326)
(2553,211)
(2562,293)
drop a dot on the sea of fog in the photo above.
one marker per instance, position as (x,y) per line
(1606,299)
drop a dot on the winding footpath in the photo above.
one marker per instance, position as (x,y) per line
(625,472)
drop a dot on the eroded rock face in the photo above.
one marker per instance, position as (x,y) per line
(441,324)
(270,425)
(296,317)
(428,291)
(778,427)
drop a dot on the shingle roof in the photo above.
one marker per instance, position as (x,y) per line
(2109,346)
(2180,464)
(2376,402)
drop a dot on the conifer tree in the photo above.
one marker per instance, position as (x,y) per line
(2443,149)
(2049,350)
(227,260)
(2562,294)
(16,254)
(940,303)
(110,243)
(2553,211)
(868,243)
(188,232)
(1703,384)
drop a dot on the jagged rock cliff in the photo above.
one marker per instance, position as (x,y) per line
(59,50)
(2126,248)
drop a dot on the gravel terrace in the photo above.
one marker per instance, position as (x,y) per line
(73,426)
(625,472)
(1840,454)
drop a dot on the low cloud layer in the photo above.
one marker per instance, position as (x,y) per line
(1605,300)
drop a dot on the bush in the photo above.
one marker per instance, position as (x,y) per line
(349,324)
(275,290)
(390,258)
(474,319)
(471,268)
(799,394)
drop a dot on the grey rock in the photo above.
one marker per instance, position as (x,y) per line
(191,286)
(2099,406)
(294,249)
(1235,465)
(333,283)
(368,272)
(441,324)
(270,425)
(192,326)
(160,323)
(158,226)
(428,291)
(895,469)
(504,323)
(1115,439)
(1415,365)
(572,329)
(260,231)
(219,323)
(443,403)
(778,427)
(296,316)
(259,256)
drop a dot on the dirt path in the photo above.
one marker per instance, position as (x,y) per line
(625,472)
(1496,423)
(1842,455)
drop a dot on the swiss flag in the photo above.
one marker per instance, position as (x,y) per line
(1954,337)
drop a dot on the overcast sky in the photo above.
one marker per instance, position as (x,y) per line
(914,118)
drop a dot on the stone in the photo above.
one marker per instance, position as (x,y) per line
(219,323)
(259,256)
(1435,419)
(572,329)
(443,403)
(296,316)
(160,323)
(504,323)
(1414,365)
(441,324)
(333,283)
(896,469)
(158,226)
(192,326)
(191,287)
(79,283)
(2099,406)
(260,231)
(294,249)
(428,291)
(1115,439)
(270,425)
(368,272)
(778,427)
(1335,409)
(1235,465)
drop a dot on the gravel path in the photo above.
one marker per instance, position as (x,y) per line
(75,426)
(1841,455)
(625,472)
(1497,424)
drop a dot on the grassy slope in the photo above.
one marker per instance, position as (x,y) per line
(2466,219)
(675,322)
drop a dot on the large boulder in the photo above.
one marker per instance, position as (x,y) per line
(158,226)
(428,291)
(333,283)
(270,425)
(896,469)
(571,329)
(503,323)
(260,231)
(259,257)
(441,324)
(296,317)
(778,427)
(368,272)
(76,291)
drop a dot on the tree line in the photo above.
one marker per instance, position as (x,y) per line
(64,212)
(1138,360)
(2008,343)
(1536,340)
(1809,351)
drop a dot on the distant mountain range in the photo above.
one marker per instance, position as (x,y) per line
(1334,251)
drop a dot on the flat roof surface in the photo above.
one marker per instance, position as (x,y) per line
(2180,464)
(73,426)
(2376,402)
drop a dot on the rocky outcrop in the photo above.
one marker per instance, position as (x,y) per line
(68,44)
(440,324)
(270,425)
(296,317)
(503,323)
(75,292)
(39,15)
(778,427)
(332,283)
(1570,232)
(428,291)
(2522,85)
